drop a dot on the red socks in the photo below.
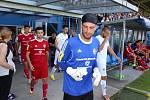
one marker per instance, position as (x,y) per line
(45,88)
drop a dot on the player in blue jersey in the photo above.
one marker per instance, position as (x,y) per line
(78,60)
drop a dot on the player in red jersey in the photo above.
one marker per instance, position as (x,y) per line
(37,57)
(23,40)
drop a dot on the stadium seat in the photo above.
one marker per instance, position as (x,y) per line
(108,60)
(124,59)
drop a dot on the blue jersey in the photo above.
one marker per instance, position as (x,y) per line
(77,53)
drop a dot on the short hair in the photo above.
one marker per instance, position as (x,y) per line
(129,42)
(38,28)
(138,41)
(26,26)
(53,33)
(65,26)
(5,33)
(105,28)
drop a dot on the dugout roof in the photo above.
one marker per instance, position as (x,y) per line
(73,8)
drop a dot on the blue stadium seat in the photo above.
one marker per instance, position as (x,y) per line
(114,61)
(124,59)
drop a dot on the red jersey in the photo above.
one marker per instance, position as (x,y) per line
(24,39)
(38,51)
(128,50)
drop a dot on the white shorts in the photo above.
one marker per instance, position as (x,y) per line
(102,69)
(101,64)
(56,57)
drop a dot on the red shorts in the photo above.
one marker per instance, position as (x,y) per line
(40,71)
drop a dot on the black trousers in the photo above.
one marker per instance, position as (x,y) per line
(5,85)
(87,96)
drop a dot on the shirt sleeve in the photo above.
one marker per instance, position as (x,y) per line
(66,50)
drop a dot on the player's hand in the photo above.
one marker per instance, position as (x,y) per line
(135,56)
(61,55)
(119,60)
(77,74)
(106,97)
(32,68)
(96,76)
(11,68)
(106,38)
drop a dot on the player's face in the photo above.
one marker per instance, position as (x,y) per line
(88,30)
(39,34)
(65,30)
(129,44)
(53,35)
(26,29)
(106,33)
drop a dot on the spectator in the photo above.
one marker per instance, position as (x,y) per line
(7,66)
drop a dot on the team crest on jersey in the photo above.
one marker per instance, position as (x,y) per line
(35,45)
(94,51)
(79,51)
(40,52)
(44,45)
(87,63)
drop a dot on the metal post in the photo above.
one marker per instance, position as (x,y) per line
(69,24)
(142,34)
(120,42)
(45,28)
(112,38)
(137,37)
(127,34)
(79,25)
(132,36)
(122,48)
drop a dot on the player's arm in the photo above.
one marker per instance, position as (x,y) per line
(64,56)
(28,58)
(3,52)
(47,56)
(102,45)
(17,45)
(130,52)
(51,44)
(114,54)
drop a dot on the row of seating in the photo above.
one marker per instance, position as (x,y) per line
(112,61)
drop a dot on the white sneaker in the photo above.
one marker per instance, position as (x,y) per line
(29,81)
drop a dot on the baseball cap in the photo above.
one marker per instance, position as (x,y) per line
(89,17)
